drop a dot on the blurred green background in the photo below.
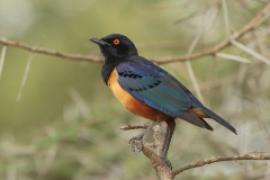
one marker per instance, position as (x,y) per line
(66,123)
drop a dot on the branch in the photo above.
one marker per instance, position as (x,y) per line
(249,156)
(255,22)
(162,168)
(157,151)
(133,127)
(40,50)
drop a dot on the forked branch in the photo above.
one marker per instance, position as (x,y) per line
(163,166)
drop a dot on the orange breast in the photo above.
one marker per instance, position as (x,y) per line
(130,102)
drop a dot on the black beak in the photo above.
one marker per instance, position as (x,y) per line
(99,41)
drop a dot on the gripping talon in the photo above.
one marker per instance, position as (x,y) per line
(136,143)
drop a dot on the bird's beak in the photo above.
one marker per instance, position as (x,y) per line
(99,41)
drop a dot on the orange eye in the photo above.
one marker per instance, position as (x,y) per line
(116,41)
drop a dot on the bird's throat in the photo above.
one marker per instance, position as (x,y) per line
(108,67)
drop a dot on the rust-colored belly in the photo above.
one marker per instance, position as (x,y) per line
(130,102)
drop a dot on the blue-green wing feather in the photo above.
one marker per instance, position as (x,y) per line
(154,87)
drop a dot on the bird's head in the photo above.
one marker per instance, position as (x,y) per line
(115,46)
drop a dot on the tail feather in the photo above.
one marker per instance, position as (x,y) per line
(207,126)
(220,120)
(195,120)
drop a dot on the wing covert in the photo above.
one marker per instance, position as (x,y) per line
(153,87)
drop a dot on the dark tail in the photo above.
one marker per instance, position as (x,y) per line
(220,120)
(195,120)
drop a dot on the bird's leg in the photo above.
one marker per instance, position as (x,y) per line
(162,138)
(168,137)
(136,142)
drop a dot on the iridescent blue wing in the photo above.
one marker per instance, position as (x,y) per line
(154,87)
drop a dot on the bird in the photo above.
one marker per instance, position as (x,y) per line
(146,89)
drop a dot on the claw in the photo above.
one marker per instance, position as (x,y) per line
(136,143)
(168,163)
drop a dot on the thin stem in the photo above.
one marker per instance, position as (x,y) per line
(25,76)
(249,156)
(133,127)
(2,59)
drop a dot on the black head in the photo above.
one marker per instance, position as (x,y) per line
(115,46)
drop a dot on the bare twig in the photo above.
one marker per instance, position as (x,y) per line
(133,127)
(255,22)
(40,50)
(25,76)
(233,57)
(251,52)
(2,59)
(249,156)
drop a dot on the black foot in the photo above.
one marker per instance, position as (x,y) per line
(168,163)
(136,143)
